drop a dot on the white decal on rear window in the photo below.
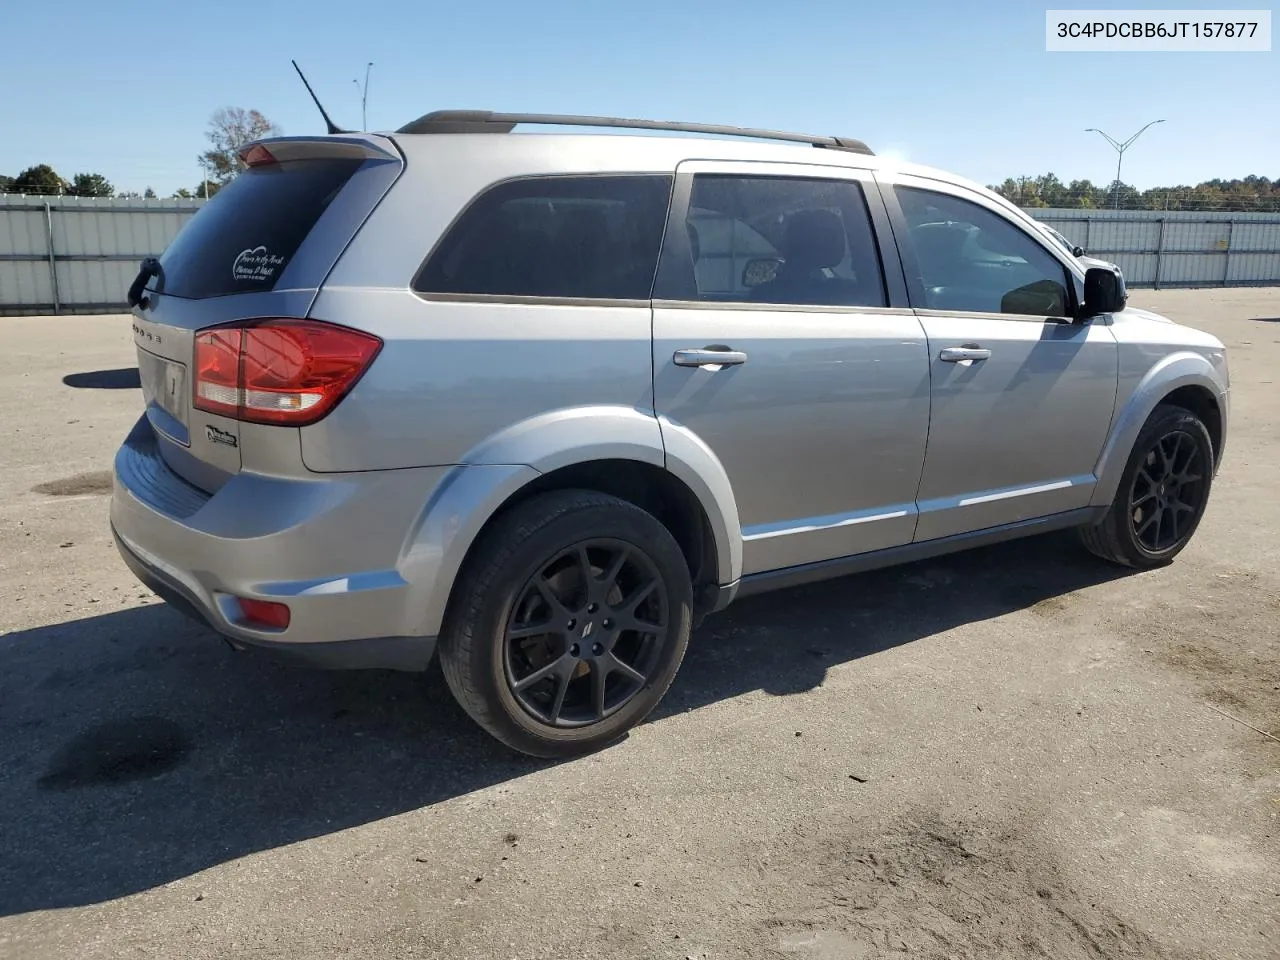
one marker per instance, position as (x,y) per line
(256,264)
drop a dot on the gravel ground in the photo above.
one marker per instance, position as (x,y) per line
(1015,752)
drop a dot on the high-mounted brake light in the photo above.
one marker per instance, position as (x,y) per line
(278,370)
(256,156)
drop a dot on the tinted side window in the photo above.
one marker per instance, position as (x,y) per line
(583,237)
(974,260)
(776,240)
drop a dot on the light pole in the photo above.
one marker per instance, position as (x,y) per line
(364,97)
(1120,148)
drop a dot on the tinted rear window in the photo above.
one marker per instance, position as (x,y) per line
(580,237)
(244,238)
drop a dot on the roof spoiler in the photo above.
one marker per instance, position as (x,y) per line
(486,121)
(356,146)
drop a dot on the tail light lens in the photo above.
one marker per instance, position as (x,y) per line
(278,370)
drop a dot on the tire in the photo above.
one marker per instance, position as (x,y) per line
(611,645)
(1165,481)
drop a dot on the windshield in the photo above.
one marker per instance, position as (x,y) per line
(1063,242)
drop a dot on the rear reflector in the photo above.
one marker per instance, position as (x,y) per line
(264,613)
(278,370)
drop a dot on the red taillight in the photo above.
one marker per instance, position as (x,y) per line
(278,370)
(264,613)
(256,156)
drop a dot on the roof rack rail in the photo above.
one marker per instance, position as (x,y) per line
(486,121)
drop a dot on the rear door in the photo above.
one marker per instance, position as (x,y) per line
(820,420)
(1022,398)
(260,248)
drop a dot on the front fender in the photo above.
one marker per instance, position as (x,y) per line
(1177,370)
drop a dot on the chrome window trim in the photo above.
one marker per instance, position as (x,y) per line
(511,299)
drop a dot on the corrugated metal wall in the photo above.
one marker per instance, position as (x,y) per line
(1158,248)
(79,254)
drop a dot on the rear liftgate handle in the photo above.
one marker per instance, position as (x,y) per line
(716,356)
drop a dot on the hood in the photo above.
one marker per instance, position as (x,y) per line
(1137,313)
(1088,262)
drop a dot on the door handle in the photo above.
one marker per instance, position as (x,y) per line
(963,354)
(716,356)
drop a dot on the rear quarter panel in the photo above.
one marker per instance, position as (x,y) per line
(454,373)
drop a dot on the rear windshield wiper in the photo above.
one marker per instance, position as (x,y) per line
(149,268)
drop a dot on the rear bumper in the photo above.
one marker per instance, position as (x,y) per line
(331,548)
(370,653)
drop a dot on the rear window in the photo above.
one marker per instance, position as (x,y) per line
(244,238)
(580,237)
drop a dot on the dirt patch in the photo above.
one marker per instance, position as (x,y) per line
(97,481)
(932,890)
(1226,636)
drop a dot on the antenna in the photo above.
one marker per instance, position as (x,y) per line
(332,127)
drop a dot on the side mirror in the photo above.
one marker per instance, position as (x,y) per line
(1104,292)
(1077,251)
(760,270)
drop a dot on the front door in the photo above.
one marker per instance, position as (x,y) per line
(777,345)
(1022,398)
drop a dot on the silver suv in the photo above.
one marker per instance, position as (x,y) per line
(542,401)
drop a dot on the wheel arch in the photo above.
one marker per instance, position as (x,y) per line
(610,450)
(1184,379)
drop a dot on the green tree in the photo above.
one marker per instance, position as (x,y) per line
(6,184)
(41,180)
(229,130)
(148,194)
(90,185)
(182,193)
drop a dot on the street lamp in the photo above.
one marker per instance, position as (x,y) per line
(364,97)
(1120,148)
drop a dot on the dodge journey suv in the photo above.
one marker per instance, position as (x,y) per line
(537,402)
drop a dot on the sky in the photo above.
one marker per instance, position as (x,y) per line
(125,88)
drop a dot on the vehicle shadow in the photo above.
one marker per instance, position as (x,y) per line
(123,378)
(136,749)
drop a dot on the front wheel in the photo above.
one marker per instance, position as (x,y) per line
(568,623)
(1162,495)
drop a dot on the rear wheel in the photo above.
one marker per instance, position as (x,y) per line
(568,623)
(1162,495)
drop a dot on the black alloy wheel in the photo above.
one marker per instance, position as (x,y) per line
(585,633)
(1168,491)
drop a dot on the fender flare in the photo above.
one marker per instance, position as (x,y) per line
(1177,370)
(499,467)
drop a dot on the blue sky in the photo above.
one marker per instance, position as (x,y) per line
(125,88)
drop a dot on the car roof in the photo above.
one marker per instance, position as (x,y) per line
(647,152)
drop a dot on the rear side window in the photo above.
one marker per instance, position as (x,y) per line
(782,240)
(581,237)
(244,238)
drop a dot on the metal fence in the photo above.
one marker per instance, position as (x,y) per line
(79,254)
(1157,248)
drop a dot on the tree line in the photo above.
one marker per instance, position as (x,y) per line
(229,130)
(232,127)
(1252,194)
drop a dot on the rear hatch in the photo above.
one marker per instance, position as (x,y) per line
(260,248)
